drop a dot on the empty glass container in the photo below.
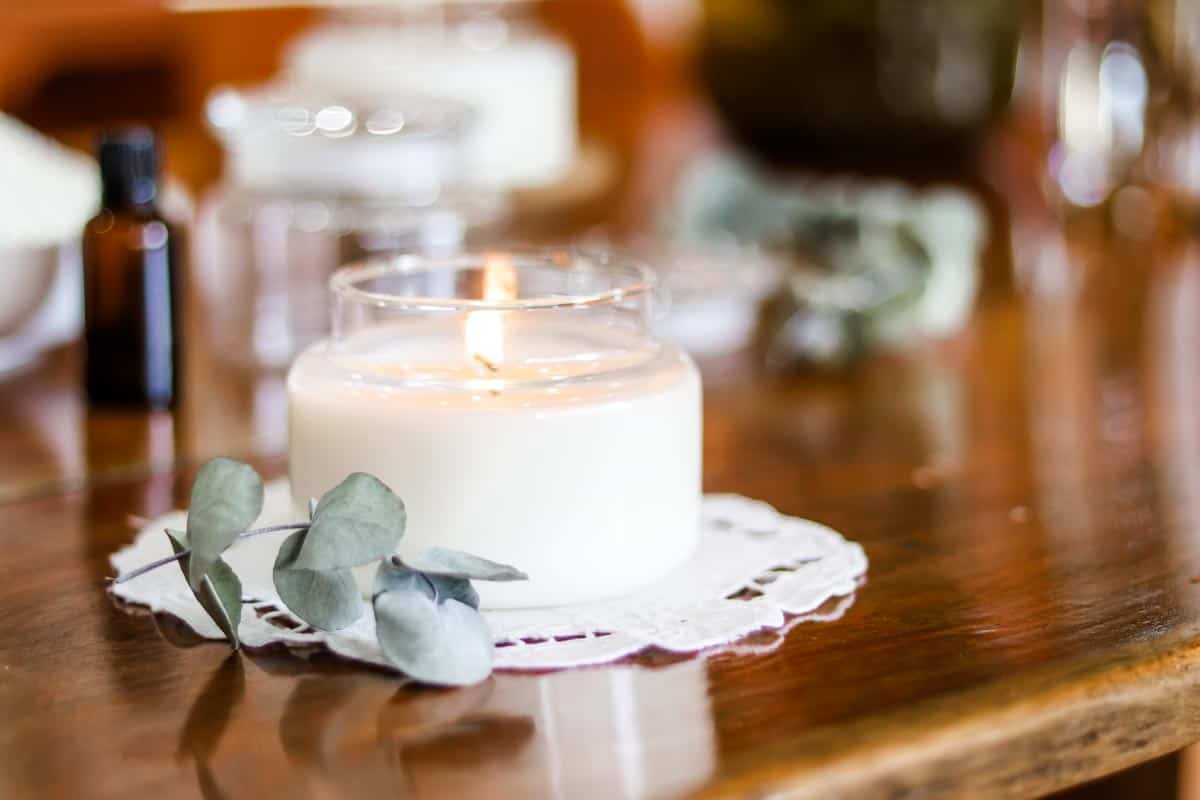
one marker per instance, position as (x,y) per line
(314,180)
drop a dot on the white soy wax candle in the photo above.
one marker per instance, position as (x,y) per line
(520,406)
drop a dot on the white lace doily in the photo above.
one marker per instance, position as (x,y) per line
(754,569)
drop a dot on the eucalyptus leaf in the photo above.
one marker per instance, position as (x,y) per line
(459,589)
(456,564)
(219,592)
(358,521)
(227,497)
(394,575)
(325,599)
(446,644)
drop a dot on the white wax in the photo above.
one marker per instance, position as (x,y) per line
(590,483)
(521,83)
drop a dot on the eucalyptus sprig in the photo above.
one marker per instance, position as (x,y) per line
(427,616)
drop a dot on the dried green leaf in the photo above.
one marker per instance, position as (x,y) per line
(456,564)
(395,575)
(227,497)
(447,644)
(325,599)
(358,521)
(219,592)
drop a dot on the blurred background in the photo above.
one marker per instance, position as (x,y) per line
(817,181)
(821,185)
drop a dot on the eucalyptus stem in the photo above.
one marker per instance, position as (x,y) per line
(187,551)
(153,565)
(433,586)
(431,632)
(287,526)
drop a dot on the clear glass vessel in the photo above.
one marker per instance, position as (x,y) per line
(314,180)
(493,55)
(523,408)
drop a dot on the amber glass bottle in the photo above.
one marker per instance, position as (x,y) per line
(132,285)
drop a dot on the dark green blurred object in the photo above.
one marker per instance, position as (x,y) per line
(855,281)
(863,265)
(860,83)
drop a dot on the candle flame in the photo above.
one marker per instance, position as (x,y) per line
(484,332)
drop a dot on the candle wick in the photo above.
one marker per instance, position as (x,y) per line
(488,365)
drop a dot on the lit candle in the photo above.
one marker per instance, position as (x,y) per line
(484,334)
(521,408)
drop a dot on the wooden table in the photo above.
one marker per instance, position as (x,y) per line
(1028,495)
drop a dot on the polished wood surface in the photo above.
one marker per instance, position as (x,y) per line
(1028,495)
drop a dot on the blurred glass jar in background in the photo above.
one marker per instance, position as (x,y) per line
(493,55)
(315,180)
(863,83)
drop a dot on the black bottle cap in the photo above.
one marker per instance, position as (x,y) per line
(128,168)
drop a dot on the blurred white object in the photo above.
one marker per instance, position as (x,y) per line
(28,274)
(713,293)
(47,194)
(952,227)
(40,303)
(288,139)
(47,191)
(490,55)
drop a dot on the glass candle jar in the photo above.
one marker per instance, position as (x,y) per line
(316,179)
(520,405)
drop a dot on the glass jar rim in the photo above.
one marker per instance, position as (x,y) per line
(637,280)
(293,111)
